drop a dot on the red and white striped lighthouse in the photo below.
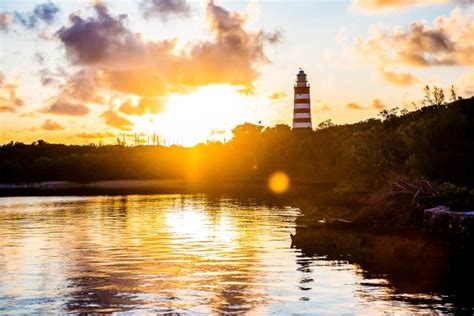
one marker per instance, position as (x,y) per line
(302,109)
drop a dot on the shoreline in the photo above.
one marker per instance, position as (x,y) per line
(154,186)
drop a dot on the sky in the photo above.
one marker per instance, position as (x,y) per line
(185,72)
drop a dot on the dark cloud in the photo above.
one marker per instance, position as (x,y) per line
(145,106)
(163,9)
(99,40)
(115,120)
(45,13)
(66,108)
(155,68)
(9,101)
(50,125)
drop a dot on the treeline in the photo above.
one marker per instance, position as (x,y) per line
(435,141)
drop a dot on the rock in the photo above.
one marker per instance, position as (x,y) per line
(443,220)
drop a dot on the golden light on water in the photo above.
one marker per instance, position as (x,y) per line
(279,182)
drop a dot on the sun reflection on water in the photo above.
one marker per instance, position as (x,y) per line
(169,253)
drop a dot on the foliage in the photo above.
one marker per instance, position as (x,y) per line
(434,142)
(458,198)
(326,124)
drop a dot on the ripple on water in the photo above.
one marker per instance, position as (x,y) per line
(173,253)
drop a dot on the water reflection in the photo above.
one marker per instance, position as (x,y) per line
(171,253)
(437,279)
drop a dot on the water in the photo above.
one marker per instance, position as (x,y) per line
(176,253)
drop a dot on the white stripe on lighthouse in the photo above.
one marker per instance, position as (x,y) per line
(302,125)
(302,96)
(302,102)
(302,106)
(302,115)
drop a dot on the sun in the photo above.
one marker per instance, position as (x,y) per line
(209,113)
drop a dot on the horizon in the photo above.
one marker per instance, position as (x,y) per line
(84,72)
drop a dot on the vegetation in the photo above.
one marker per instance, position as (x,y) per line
(435,142)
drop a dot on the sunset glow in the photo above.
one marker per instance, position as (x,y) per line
(241,157)
(88,72)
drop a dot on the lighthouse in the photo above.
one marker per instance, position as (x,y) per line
(302,108)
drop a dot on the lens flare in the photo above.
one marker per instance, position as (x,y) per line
(279,182)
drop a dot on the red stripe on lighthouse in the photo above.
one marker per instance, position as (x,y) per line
(302,103)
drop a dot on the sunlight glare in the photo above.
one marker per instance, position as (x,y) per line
(279,182)
(209,113)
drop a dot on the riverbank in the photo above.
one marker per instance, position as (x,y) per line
(414,263)
(384,234)
(159,186)
(93,188)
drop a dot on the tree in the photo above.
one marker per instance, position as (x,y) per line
(247,130)
(326,124)
(40,142)
(453,94)
(427,100)
(438,96)
(388,114)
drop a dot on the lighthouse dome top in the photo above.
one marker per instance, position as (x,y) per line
(301,80)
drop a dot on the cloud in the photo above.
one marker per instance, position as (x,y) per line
(163,9)
(232,55)
(115,120)
(277,95)
(49,78)
(139,81)
(39,58)
(45,13)
(50,125)
(66,108)
(322,107)
(94,135)
(5,21)
(387,5)
(449,41)
(377,104)
(103,39)
(157,68)
(355,106)
(398,78)
(9,101)
(83,86)
(145,106)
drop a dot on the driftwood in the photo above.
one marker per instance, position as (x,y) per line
(399,206)
(419,192)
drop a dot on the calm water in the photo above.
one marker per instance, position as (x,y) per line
(175,253)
